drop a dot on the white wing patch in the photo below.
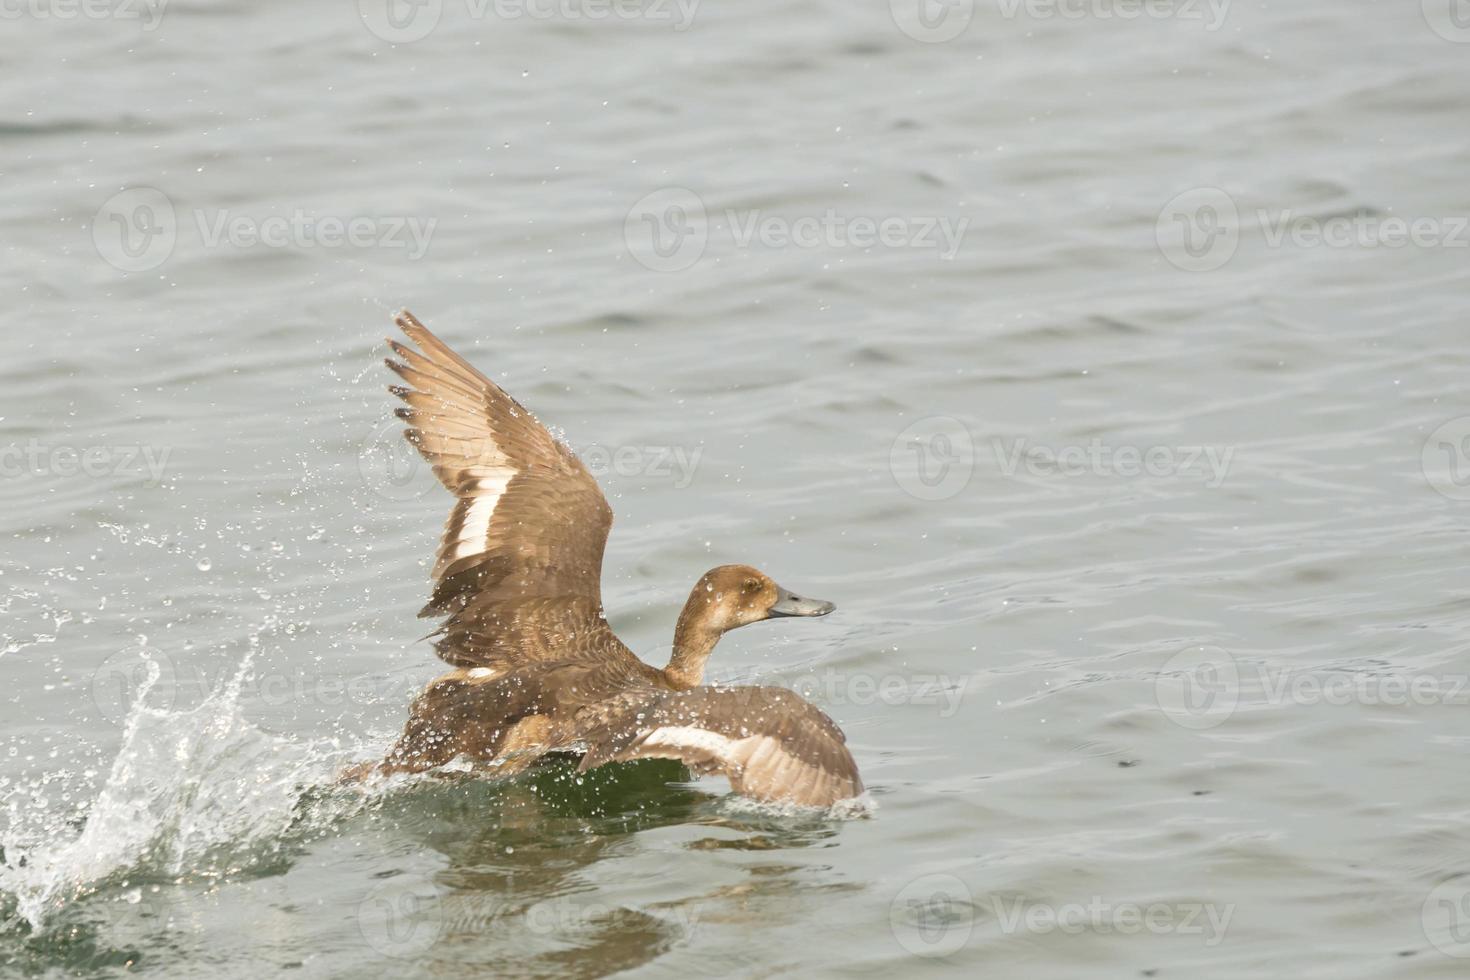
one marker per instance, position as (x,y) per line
(688,737)
(758,766)
(479,500)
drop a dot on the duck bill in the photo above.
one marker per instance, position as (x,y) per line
(789,604)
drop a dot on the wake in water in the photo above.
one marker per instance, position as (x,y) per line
(204,794)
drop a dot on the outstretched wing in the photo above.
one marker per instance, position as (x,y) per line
(520,565)
(772,744)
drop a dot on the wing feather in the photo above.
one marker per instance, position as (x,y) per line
(529,527)
(772,744)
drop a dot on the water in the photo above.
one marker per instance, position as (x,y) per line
(1073,357)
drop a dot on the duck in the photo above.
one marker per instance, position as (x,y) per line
(537,671)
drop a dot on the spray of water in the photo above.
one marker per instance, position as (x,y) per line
(193,792)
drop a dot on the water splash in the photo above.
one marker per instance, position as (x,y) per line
(201,792)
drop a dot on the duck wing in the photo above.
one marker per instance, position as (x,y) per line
(520,565)
(773,744)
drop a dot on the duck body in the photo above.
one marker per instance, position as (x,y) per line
(537,668)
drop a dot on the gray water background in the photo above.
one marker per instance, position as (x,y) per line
(1144,505)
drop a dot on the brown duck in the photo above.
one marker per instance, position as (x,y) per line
(537,668)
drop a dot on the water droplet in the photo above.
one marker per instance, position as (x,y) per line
(204,564)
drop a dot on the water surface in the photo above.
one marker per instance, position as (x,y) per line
(1107,370)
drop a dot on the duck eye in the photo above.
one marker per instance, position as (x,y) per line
(751,585)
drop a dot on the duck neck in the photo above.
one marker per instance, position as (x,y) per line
(694,639)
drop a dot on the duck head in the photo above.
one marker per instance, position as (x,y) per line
(725,598)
